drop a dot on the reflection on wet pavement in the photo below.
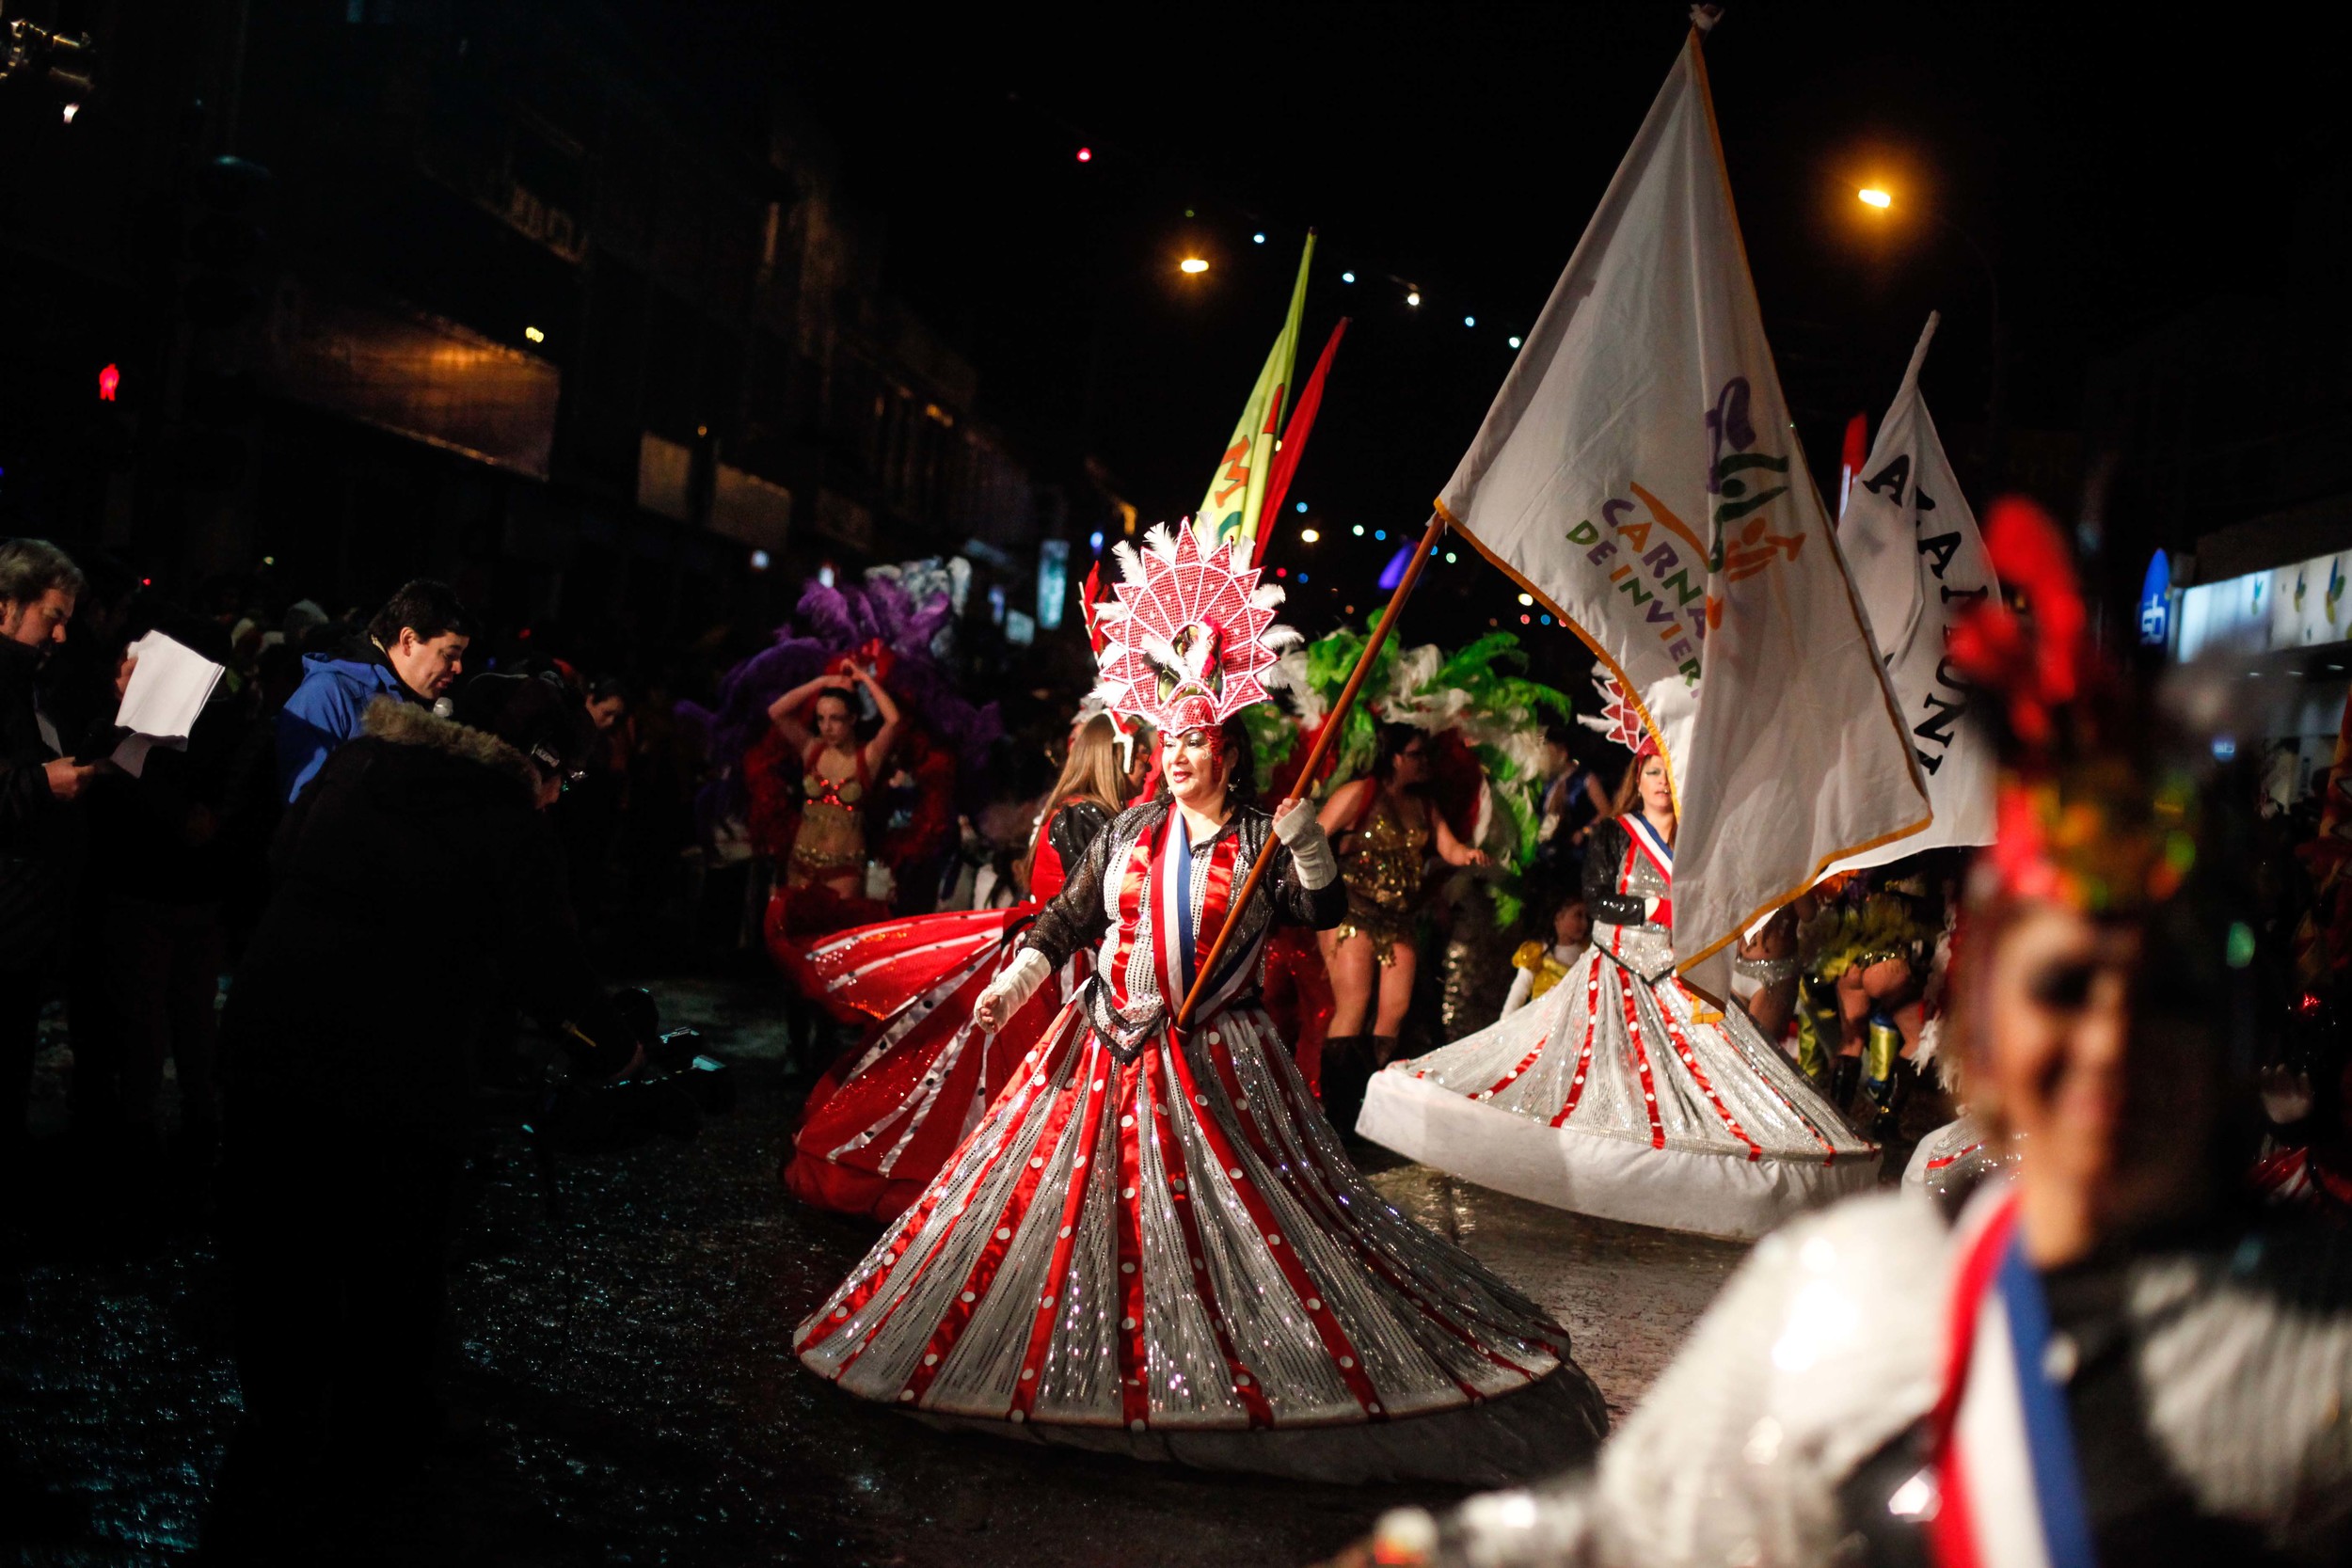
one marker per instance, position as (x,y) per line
(628,1394)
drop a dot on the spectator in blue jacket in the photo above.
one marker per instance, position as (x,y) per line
(414,651)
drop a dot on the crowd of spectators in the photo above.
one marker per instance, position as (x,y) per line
(375,842)
(124,900)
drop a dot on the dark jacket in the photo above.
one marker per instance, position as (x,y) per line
(166,836)
(419,886)
(1075,826)
(40,836)
(328,709)
(1604,862)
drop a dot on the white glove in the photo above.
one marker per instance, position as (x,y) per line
(1310,847)
(1017,984)
(2286,1093)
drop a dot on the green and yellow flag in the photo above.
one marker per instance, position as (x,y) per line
(1237,493)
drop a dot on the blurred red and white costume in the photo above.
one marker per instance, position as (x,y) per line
(884,1119)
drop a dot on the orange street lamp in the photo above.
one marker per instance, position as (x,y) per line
(1881,199)
(1192,265)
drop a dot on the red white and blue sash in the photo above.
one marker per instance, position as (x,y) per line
(2009,1493)
(1650,842)
(1177,940)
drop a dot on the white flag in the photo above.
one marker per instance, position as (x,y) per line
(1638,473)
(1918,563)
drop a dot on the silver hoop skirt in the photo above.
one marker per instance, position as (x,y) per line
(1172,1257)
(1610,1098)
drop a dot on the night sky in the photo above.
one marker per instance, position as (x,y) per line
(2118,169)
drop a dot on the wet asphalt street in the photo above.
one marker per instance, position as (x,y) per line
(630,1396)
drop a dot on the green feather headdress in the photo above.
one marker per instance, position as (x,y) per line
(1478,691)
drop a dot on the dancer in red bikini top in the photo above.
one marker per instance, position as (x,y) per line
(829,849)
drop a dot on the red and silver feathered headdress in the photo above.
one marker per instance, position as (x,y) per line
(1189,637)
(1619,719)
(2093,811)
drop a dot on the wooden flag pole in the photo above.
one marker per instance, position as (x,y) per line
(1314,757)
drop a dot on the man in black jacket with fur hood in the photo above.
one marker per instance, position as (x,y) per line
(419,885)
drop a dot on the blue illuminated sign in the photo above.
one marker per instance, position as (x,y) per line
(2155,601)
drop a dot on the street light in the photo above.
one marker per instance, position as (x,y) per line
(1308,535)
(1192,264)
(1882,199)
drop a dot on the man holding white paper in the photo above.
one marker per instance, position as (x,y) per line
(169,687)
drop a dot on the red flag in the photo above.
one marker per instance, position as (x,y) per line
(1089,597)
(1850,459)
(1295,441)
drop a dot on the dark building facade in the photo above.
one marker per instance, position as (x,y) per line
(2222,437)
(403,286)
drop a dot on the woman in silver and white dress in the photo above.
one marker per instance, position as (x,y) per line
(1612,1097)
(1153,1242)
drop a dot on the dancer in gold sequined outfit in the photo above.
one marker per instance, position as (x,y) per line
(1383,829)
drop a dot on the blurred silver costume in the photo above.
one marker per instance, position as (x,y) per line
(1953,1159)
(1609,1097)
(1829,1347)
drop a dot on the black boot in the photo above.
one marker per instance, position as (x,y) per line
(1890,1097)
(1383,1051)
(1347,1069)
(1844,1078)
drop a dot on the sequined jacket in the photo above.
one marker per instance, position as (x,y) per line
(1782,1432)
(1086,915)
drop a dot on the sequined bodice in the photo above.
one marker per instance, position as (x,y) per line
(1123,960)
(1382,861)
(832,840)
(842,794)
(1644,880)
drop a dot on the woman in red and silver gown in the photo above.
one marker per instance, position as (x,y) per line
(882,1120)
(1153,1243)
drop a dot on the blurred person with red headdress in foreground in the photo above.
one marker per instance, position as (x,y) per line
(2104,1350)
